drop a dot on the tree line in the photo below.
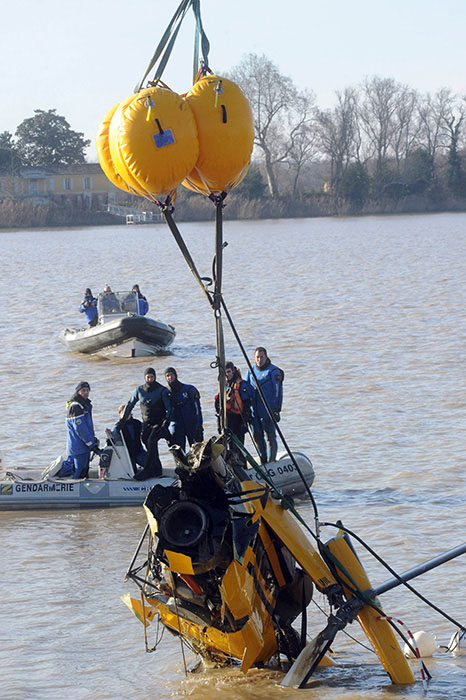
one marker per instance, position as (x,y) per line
(382,141)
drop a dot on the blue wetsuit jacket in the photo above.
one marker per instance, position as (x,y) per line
(186,418)
(80,427)
(270,378)
(90,310)
(143,305)
(156,404)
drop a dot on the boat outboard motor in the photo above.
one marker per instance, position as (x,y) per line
(105,461)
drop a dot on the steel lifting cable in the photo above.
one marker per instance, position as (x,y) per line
(271,416)
(167,212)
(336,567)
(395,574)
(214,298)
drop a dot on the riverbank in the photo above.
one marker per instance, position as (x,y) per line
(195,208)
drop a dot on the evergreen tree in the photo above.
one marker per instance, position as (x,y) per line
(47,139)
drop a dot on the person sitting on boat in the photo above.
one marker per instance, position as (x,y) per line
(89,307)
(110,304)
(142,303)
(81,439)
(270,378)
(156,410)
(239,395)
(131,432)
(186,422)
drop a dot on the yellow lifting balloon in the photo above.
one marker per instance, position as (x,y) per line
(104,155)
(153,141)
(118,161)
(226,135)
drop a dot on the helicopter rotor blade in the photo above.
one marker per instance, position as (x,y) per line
(312,654)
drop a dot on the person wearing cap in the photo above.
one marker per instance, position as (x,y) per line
(270,379)
(142,303)
(186,422)
(239,396)
(156,410)
(81,439)
(89,307)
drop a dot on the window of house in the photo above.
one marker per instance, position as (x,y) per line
(2,187)
(33,189)
(87,183)
(51,184)
(67,183)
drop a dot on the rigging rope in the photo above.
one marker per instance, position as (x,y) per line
(166,43)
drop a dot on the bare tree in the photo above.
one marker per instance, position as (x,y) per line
(376,115)
(339,135)
(453,122)
(406,125)
(304,142)
(271,96)
(432,112)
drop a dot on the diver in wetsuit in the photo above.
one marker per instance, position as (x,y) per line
(270,378)
(186,419)
(156,410)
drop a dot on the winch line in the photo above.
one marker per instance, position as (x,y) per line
(216,300)
(395,574)
(271,416)
(336,567)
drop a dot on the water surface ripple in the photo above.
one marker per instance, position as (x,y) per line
(367,319)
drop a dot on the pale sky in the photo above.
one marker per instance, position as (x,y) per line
(83,56)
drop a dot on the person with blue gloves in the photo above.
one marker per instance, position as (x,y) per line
(81,439)
(270,379)
(142,303)
(89,307)
(156,412)
(186,421)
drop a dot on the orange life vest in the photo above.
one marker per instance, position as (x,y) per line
(234,400)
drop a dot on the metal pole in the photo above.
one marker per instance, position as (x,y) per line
(137,549)
(217,301)
(416,571)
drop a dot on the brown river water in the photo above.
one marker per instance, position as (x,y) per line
(367,319)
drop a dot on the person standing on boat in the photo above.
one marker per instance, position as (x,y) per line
(131,433)
(142,303)
(186,421)
(239,395)
(270,379)
(89,307)
(156,411)
(81,439)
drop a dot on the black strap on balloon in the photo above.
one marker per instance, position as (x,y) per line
(166,43)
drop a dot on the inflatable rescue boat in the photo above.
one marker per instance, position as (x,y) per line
(112,483)
(120,330)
